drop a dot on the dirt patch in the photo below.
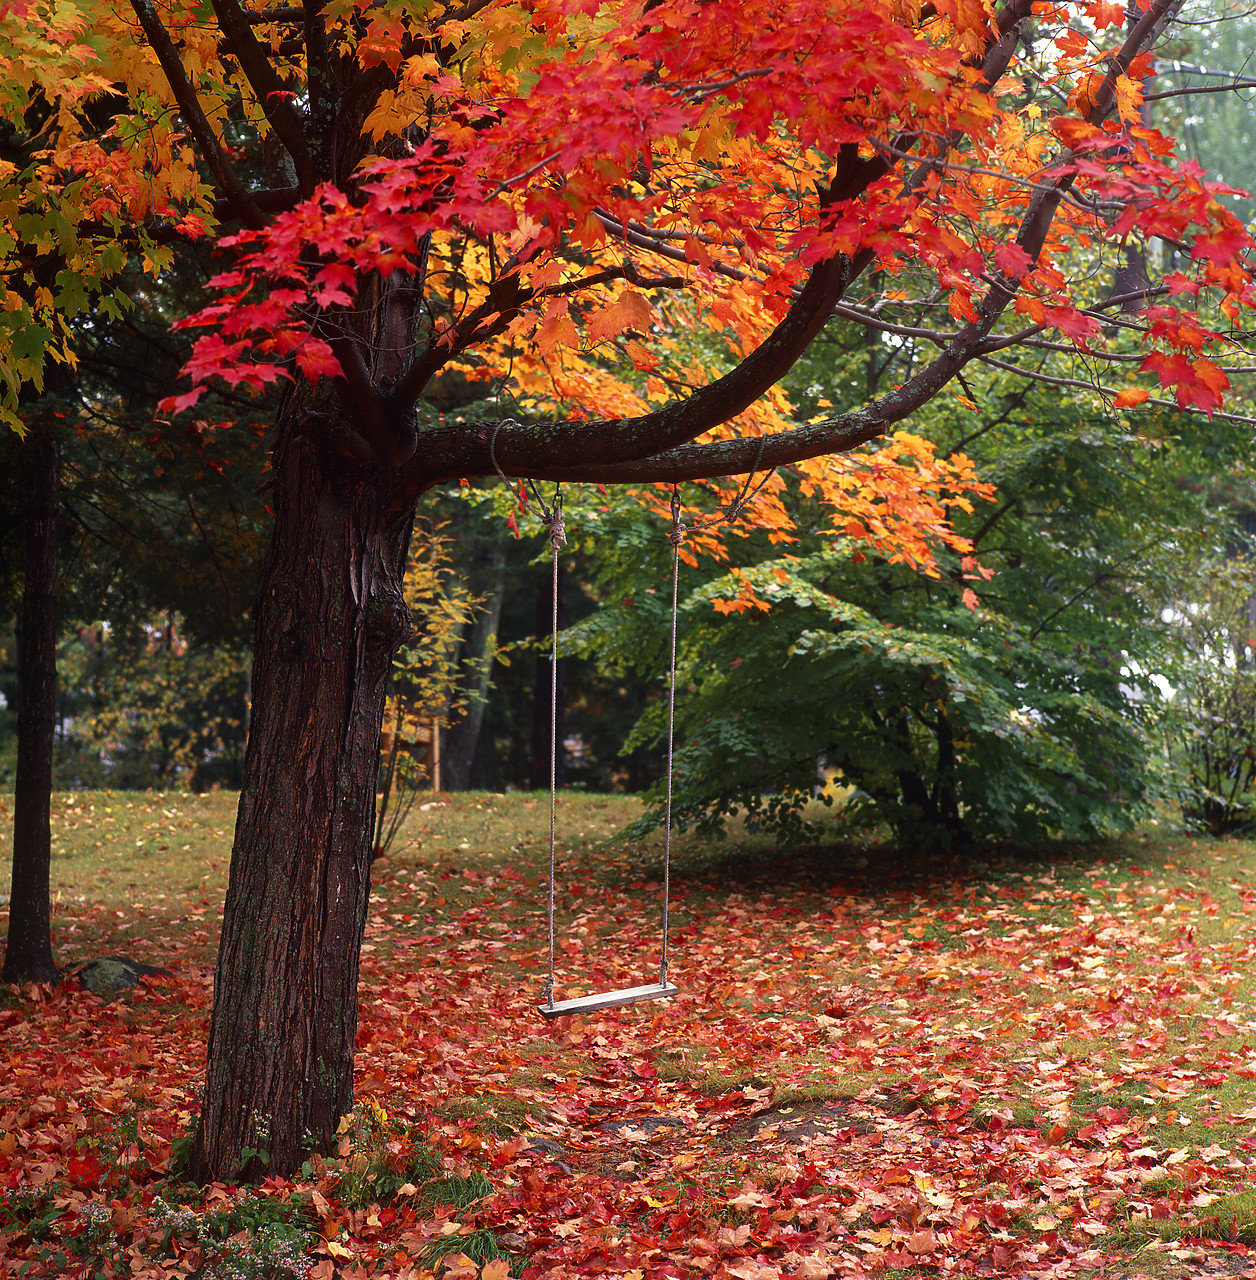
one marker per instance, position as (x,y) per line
(799,1123)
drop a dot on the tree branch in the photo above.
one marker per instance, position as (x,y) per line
(1203,88)
(654,446)
(270,200)
(272,95)
(1079,384)
(386,427)
(195,119)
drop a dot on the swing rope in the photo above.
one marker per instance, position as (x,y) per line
(675,537)
(552,519)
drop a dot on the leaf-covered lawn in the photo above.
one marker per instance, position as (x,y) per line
(887,1069)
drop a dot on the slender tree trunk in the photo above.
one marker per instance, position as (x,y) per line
(28,950)
(541,706)
(945,787)
(462,739)
(329,617)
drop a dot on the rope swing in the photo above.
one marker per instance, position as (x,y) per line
(552,518)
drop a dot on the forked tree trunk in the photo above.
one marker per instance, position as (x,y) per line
(28,948)
(329,617)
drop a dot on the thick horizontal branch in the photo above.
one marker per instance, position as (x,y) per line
(536,449)
(657,446)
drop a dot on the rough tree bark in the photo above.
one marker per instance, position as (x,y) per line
(330,614)
(28,949)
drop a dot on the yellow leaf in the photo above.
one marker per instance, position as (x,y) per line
(1129,99)
(338,1250)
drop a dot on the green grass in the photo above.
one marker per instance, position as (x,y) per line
(1230,1219)
(113,848)
(481,1246)
(500,1116)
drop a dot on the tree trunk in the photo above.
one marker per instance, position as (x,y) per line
(541,698)
(462,738)
(28,950)
(329,617)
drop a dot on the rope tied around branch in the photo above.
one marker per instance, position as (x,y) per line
(553,520)
(726,515)
(678,530)
(551,516)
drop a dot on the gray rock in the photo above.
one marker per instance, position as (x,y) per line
(647,1124)
(109,976)
(548,1145)
(555,1151)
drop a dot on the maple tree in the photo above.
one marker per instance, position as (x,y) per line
(540,195)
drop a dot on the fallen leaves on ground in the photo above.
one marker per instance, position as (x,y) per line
(1037,1074)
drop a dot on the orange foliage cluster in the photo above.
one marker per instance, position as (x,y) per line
(567,150)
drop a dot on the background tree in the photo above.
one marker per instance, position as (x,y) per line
(1034,714)
(504,189)
(144,525)
(142,705)
(28,946)
(1212,729)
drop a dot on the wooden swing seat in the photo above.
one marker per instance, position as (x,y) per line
(609,999)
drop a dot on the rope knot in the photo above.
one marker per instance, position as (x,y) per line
(677,534)
(557,533)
